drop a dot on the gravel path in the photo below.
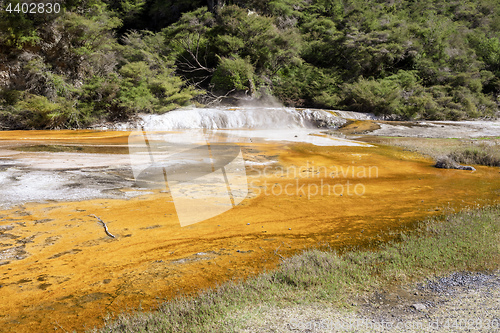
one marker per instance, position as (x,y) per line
(460,302)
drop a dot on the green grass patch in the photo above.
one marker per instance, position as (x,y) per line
(482,154)
(468,240)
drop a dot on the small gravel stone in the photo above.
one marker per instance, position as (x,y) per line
(418,306)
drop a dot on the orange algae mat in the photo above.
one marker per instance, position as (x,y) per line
(63,271)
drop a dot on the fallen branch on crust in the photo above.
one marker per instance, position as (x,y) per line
(216,98)
(104,225)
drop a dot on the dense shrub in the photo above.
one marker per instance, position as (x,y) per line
(107,59)
(234,74)
(306,84)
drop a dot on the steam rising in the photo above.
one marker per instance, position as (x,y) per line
(246,118)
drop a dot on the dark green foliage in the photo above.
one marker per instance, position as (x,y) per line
(110,59)
(88,76)
(144,81)
(37,112)
(306,84)
(205,46)
(234,74)
(381,97)
(255,36)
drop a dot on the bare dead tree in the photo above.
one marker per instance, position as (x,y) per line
(193,63)
(215,98)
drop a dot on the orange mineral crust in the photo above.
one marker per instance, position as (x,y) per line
(74,136)
(59,269)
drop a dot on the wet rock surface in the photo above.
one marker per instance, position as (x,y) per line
(448,163)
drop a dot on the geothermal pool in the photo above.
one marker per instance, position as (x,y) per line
(302,188)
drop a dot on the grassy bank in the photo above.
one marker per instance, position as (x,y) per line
(483,154)
(468,240)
